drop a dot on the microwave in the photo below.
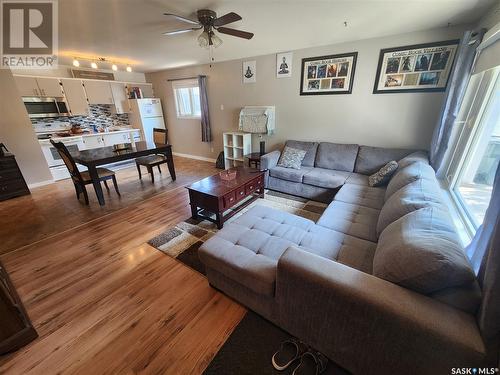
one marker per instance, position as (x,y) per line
(46,107)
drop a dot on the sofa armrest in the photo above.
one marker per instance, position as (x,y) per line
(269,160)
(367,324)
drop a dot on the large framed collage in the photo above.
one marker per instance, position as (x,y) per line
(415,68)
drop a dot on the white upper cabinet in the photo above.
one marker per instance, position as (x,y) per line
(75,97)
(38,86)
(27,86)
(98,92)
(120,98)
(49,87)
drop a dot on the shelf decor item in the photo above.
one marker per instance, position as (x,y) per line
(415,68)
(228,174)
(326,75)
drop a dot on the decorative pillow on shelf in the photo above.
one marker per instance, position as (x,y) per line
(383,175)
(291,158)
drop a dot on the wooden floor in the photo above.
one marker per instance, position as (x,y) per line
(101,299)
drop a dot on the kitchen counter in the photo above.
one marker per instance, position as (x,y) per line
(76,136)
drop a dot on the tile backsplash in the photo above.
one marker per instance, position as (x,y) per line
(100,116)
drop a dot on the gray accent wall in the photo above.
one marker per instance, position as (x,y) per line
(404,120)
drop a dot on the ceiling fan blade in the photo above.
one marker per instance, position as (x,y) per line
(180,18)
(234,32)
(181,31)
(227,18)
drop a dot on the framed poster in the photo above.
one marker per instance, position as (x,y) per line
(333,74)
(284,64)
(249,71)
(416,68)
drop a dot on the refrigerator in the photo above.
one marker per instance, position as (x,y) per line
(146,114)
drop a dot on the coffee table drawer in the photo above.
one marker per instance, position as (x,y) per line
(240,193)
(251,187)
(259,182)
(229,199)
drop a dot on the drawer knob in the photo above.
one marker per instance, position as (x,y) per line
(241,193)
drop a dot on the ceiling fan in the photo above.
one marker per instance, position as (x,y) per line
(208,21)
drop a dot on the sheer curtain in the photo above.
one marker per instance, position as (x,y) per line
(206,130)
(454,94)
(484,254)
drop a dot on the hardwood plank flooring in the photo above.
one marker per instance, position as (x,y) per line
(54,208)
(101,299)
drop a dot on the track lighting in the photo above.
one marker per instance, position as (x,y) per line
(129,69)
(114,67)
(76,63)
(93,65)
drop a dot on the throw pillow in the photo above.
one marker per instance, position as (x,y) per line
(292,158)
(383,175)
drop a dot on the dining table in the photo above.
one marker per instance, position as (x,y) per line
(95,157)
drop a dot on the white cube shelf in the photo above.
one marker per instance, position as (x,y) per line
(236,146)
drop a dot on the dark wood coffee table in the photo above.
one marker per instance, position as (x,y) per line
(216,196)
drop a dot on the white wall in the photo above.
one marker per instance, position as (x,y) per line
(16,132)
(389,120)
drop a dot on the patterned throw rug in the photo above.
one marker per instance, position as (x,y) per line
(183,240)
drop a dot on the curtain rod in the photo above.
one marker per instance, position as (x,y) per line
(182,79)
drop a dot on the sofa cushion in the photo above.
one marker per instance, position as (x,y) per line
(371,159)
(291,158)
(326,178)
(310,148)
(289,174)
(340,247)
(357,179)
(416,195)
(416,156)
(383,175)
(336,156)
(366,196)
(421,251)
(464,297)
(408,174)
(351,219)
(247,250)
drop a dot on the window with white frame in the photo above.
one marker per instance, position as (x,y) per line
(187,99)
(477,151)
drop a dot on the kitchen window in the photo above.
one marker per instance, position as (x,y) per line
(477,151)
(187,99)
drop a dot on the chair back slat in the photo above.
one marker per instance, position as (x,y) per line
(160,136)
(68,160)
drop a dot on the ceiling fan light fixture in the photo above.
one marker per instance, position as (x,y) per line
(216,41)
(203,40)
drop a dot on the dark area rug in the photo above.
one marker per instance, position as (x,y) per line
(249,349)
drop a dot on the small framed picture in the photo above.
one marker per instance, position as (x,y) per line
(249,71)
(416,68)
(284,64)
(326,75)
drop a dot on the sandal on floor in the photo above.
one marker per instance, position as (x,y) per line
(311,363)
(290,351)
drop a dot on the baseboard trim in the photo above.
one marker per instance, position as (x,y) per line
(194,157)
(41,183)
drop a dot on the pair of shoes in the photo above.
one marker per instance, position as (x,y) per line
(311,362)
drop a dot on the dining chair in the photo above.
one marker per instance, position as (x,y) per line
(160,136)
(80,179)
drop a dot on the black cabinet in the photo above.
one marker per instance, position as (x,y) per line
(15,327)
(12,182)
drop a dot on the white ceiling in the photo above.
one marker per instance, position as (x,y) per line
(132,29)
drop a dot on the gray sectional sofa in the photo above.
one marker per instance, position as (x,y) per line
(380,284)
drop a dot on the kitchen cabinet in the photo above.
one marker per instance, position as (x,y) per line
(111,139)
(119,98)
(27,86)
(93,141)
(98,92)
(75,97)
(49,87)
